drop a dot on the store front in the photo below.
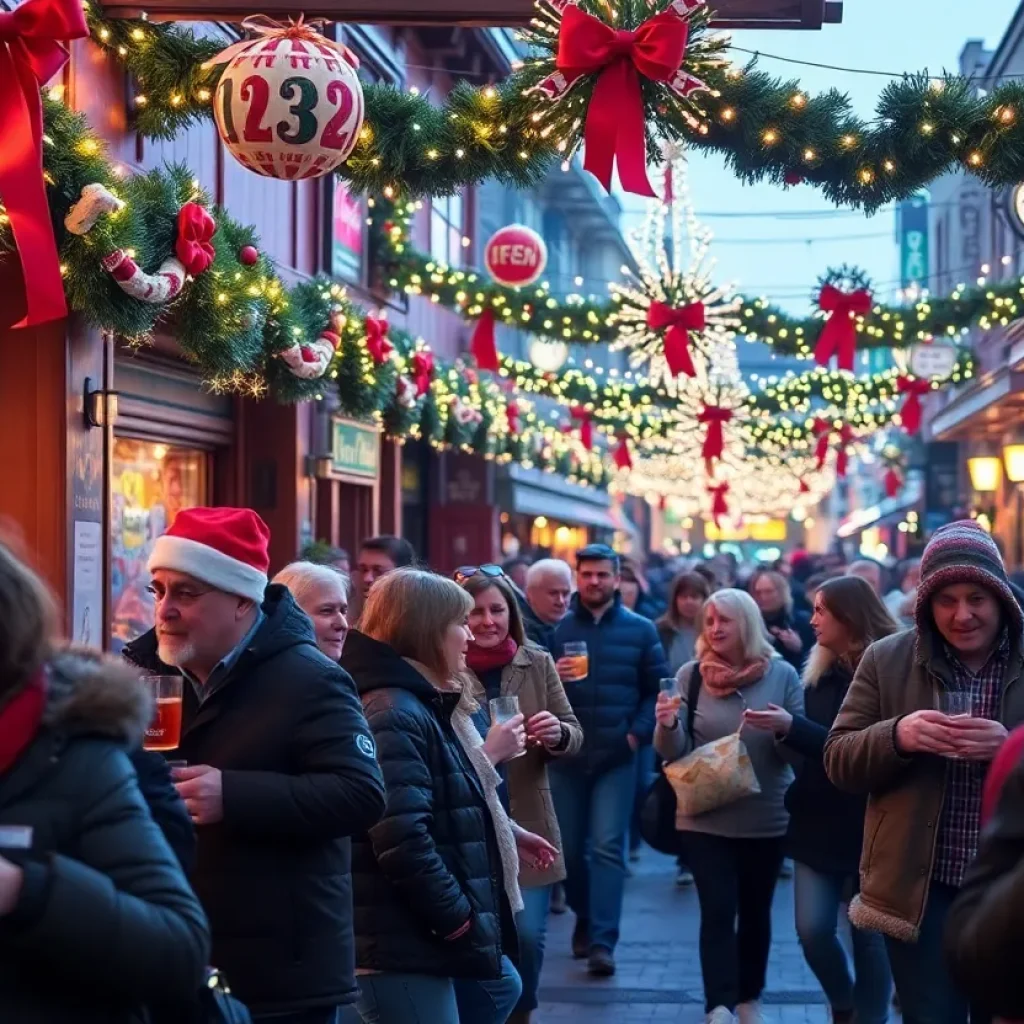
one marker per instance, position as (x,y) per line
(892,529)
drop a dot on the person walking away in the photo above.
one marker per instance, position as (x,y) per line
(548,589)
(431,901)
(504,663)
(679,627)
(826,826)
(927,711)
(792,636)
(281,765)
(97,921)
(594,790)
(321,591)
(734,851)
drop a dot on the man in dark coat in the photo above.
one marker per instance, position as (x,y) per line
(281,766)
(594,791)
(548,589)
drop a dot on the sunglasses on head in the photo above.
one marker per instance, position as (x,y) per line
(467,572)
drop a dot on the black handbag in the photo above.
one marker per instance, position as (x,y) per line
(658,812)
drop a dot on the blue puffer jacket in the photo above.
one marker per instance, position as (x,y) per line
(618,696)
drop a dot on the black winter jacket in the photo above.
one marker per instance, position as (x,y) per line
(299,777)
(432,863)
(826,825)
(617,697)
(801,624)
(166,807)
(106,922)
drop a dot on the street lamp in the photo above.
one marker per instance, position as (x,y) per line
(1013,457)
(984,471)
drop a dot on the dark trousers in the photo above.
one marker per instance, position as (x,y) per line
(321,1016)
(735,881)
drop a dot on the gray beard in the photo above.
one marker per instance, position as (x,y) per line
(177,655)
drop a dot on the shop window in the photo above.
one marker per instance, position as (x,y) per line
(150,484)
(447,222)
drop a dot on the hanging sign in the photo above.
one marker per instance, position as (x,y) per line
(932,360)
(515,256)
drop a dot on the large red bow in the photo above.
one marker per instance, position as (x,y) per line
(719,506)
(193,246)
(377,343)
(915,388)
(583,416)
(839,335)
(482,344)
(614,130)
(621,456)
(30,55)
(679,323)
(422,371)
(892,482)
(714,441)
(824,430)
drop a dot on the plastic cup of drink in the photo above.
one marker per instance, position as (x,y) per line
(668,686)
(577,651)
(958,704)
(503,709)
(164,732)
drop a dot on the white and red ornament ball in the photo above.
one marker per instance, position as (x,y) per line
(515,256)
(289,104)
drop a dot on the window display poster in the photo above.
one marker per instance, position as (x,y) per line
(87,592)
(150,484)
(347,234)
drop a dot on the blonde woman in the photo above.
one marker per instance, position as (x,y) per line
(433,900)
(735,851)
(321,591)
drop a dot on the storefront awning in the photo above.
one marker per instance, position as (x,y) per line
(880,514)
(533,493)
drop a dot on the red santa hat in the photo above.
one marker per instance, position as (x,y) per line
(224,547)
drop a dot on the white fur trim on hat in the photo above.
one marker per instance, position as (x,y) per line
(209,565)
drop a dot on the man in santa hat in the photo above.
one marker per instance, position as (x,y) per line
(281,765)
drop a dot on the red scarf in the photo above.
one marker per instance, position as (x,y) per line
(20,720)
(483,659)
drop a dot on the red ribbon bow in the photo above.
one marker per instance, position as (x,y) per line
(614,130)
(824,430)
(679,323)
(377,343)
(512,415)
(30,55)
(915,388)
(719,506)
(892,482)
(586,425)
(193,246)
(422,371)
(714,441)
(482,344)
(839,335)
(621,456)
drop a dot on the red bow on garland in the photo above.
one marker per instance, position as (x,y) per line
(915,388)
(714,441)
(719,506)
(621,455)
(193,245)
(422,371)
(377,343)
(512,415)
(30,55)
(892,482)
(614,129)
(482,345)
(679,323)
(824,430)
(577,412)
(839,335)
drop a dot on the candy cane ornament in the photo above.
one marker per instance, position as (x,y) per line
(96,200)
(154,289)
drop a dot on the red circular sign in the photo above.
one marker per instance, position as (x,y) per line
(515,256)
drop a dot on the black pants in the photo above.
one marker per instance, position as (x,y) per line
(321,1016)
(735,881)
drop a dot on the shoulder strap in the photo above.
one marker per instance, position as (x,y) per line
(692,696)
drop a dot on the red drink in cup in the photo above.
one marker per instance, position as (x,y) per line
(164,732)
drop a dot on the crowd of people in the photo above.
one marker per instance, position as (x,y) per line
(380,806)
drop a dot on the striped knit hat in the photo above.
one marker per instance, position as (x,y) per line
(963,552)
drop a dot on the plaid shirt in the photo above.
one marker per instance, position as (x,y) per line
(961,810)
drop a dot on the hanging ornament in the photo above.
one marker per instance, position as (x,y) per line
(405,392)
(194,245)
(289,104)
(377,343)
(714,440)
(464,414)
(95,201)
(515,256)
(153,289)
(844,295)
(824,430)
(619,60)
(248,255)
(512,415)
(678,323)
(482,345)
(892,481)
(621,455)
(309,361)
(915,389)
(422,364)
(586,422)
(719,505)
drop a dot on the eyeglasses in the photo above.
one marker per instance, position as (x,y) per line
(467,572)
(180,594)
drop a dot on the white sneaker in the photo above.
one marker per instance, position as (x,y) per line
(749,1013)
(719,1015)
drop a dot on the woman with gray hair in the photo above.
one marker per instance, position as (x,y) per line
(321,591)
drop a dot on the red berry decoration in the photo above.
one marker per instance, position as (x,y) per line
(248,255)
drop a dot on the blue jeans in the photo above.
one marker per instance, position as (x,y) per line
(819,898)
(390,998)
(532,925)
(595,808)
(645,774)
(927,993)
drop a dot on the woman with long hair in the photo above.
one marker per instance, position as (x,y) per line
(435,889)
(504,663)
(826,826)
(679,627)
(734,851)
(321,591)
(790,631)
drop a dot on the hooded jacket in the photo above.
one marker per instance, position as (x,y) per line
(106,922)
(299,777)
(432,863)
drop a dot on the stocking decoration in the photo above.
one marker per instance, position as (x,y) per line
(915,389)
(482,345)
(153,289)
(621,455)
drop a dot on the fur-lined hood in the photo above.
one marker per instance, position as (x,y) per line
(821,661)
(92,693)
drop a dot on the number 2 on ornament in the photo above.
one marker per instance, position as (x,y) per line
(338,92)
(302,111)
(256,92)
